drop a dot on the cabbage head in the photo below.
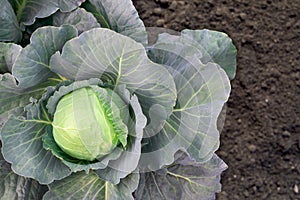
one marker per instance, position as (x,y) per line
(83,125)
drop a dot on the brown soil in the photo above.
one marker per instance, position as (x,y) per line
(261,138)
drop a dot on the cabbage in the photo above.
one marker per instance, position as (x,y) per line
(82,127)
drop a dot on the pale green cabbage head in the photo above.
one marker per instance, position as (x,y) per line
(82,127)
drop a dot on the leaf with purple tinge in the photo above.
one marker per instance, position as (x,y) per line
(184,179)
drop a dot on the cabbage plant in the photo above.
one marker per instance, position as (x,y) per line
(90,110)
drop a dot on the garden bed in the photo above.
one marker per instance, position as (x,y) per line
(260,141)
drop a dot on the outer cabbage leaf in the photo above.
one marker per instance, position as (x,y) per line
(14,98)
(32,65)
(118,60)
(120,16)
(13,186)
(74,164)
(9,26)
(8,54)
(29,30)
(91,187)
(28,10)
(202,91)
(22,145)
(214,47)
(79,18)
(129,159)
(184,179)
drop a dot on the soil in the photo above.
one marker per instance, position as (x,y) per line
(260,141)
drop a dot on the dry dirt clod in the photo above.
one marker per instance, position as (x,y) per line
(252,148)
(296,189)
(157,11)
(286,134)
(173,5)
(160,22)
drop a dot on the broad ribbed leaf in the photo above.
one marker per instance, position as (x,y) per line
(8,54)
(13,186)
(74,164)
(32,65)
(69,87)
(14,98)
(9,26)
(128,161)
(202,91)
(79,18)
(185,179)
(90,187)
(120,16)
(124,189)
(214,47)
(23,146)
(28,10)
(117,59)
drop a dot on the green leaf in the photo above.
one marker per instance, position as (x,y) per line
(66,88)
(202,91)
(4,117)
(13,186)
(32,65)
(29,30)
(14,98)
(129,159)
(79,18)
(28,10)
(9,26)
(124,189)
(89,186)
(113,15)
(214,47)
(118,60)
(185,179)
(8,54)
(74,164)
(23,146)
